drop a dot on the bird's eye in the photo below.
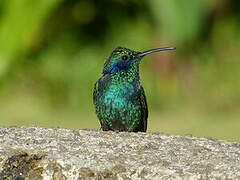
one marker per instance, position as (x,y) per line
(124,58)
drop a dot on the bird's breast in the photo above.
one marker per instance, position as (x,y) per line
(118,94)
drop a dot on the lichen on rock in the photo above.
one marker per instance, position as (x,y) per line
(22,165)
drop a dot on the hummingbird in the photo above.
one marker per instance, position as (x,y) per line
(118,96)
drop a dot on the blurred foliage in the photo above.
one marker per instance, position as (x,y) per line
(52,52)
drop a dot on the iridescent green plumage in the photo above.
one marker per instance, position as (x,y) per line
(118,96)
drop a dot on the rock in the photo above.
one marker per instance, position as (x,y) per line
(54,153)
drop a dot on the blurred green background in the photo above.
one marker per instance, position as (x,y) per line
(52,52)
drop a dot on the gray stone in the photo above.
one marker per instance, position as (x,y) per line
(54,153)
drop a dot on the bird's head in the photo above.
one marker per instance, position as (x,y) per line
(122,59)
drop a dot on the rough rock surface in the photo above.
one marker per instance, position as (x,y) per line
(45,153)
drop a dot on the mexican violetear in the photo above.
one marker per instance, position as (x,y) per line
(118,96)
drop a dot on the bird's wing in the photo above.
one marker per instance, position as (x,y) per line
(144,108)
(95,92)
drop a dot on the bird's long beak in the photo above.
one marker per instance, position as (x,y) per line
(141,54)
